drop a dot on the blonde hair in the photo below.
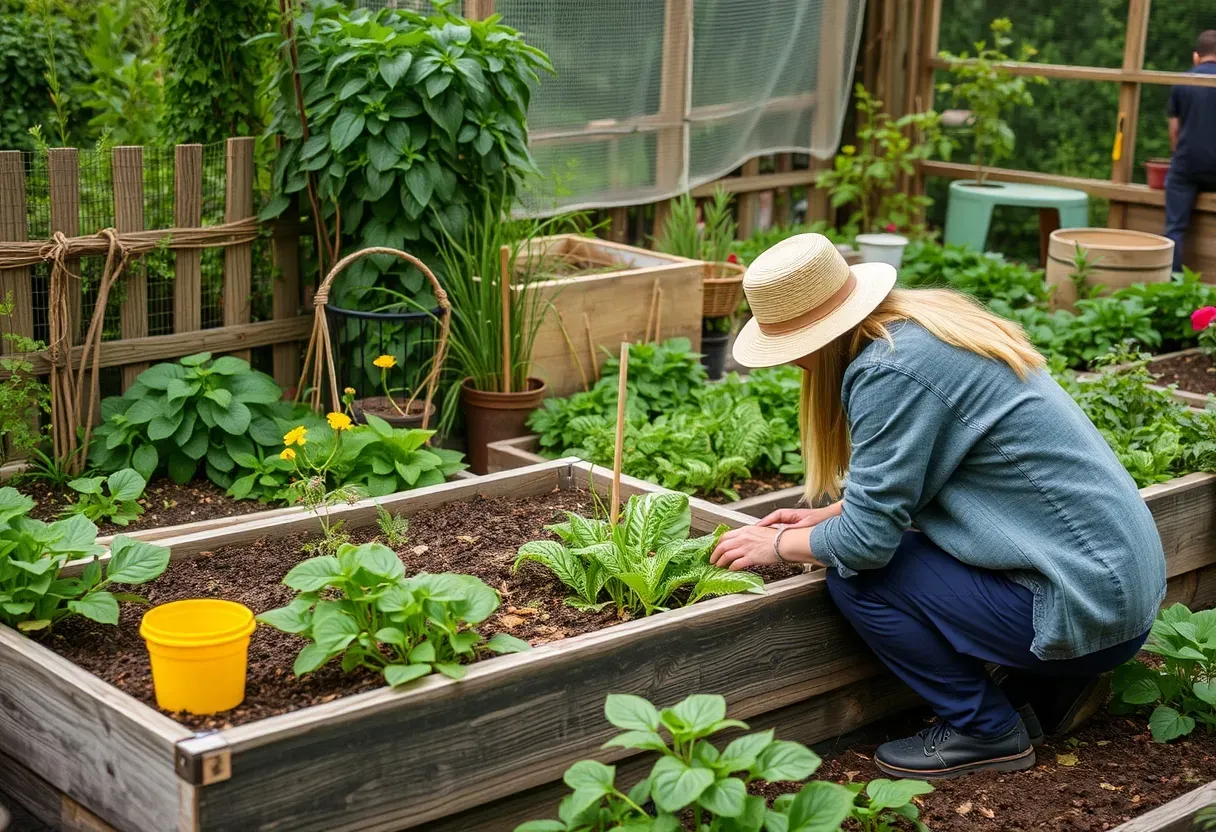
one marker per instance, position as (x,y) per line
(951,316)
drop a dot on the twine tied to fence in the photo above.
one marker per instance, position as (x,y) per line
(67,377)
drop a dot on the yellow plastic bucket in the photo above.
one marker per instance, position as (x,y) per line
(199,650)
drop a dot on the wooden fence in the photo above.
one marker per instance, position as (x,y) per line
(136,348)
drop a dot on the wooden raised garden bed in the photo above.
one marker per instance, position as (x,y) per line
(485,752)
(1179,815)
(523,450)
(608,287)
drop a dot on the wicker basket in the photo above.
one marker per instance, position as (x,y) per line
(723,289)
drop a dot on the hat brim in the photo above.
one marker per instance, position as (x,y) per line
(753,348)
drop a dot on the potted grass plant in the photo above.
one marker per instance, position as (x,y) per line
(494,325)
(709,238)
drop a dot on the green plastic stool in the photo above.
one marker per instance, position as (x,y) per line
(970,210)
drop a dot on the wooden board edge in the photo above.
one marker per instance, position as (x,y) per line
(1175,816)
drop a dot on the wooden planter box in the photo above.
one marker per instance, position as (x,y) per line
(485,752)
(1197,400)
(523,450)
(1176,816)
(615,303)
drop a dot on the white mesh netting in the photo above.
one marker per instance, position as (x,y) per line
(653,97)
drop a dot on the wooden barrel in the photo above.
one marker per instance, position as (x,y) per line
(1119,258)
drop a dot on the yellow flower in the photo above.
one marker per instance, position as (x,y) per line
(848,150)
(295,436)
(350,391)
(339,421)
(385,362)
(287,454)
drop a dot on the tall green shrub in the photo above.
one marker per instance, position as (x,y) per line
(414,122)
(27,31)
(211,72)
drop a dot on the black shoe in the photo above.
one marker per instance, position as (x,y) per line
(1034,729)
(939,752)
(1060,705)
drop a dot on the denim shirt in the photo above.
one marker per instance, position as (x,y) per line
(1002,474)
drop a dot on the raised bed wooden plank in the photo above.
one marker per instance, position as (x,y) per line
(523,450)
(43,801)
(96,744)
(1176,816)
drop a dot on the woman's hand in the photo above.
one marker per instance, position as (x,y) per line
(800,518)
(745,547)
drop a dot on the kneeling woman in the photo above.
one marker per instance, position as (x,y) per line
(984,519)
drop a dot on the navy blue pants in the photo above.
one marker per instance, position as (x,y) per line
(1181,188)
(934,621)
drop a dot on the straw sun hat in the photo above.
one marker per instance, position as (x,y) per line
(803,295)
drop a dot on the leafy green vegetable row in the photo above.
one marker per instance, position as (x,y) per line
(227,421)
(681,432)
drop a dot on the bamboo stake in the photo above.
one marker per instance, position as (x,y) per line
(561,324)
(595,362)
(658,318)
(620,432)
(654,299)
(504,256)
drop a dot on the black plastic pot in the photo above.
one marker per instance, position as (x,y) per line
(713,353)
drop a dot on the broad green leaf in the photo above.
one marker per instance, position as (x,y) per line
(1141,692)
(13,503)
(76,535)
(235,419)
(393,68)
(631,713)
(400,674)
(289,619)
(220,396)
(644,740)
(313,574)
(891,794)
(784,760)
(505,643)
(309,659)
(145,460)
(820,807)
(333,631)
(674,784)
(699,712)
(589,774)
(1167,724)
(135,561)
(375,558)
(423,652)
(1205,691)
(145,410)
(542,826)
(725,798)
(87,485)
(101,607)
(742,752)
(198,359)
(452,671)
(126,484)
(345,129)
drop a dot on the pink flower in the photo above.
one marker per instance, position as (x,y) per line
(734,258)
(891,228)
(1202,317)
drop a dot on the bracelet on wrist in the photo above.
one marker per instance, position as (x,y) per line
(781,529)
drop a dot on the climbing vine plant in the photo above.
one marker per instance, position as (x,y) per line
(410,120)
(211,68)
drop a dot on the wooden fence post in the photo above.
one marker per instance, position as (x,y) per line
(13,229)
(286,254)
(238,260)
(932,14)
(830,97)
(782,196)
(671,159)
(476,10)
(129,216)
(188,213)
(1129,104)
(63,173)
(749,203)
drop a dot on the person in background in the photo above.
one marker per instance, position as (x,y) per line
(1192,112)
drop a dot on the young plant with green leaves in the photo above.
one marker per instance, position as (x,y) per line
(394,527)
(708,237)
(119,506)
(695,779)
(640,564)
(196,412)
(866,175)
(359,605)
(23,397)
(1083,269)
(34,596)
(990,91)
(1181,687)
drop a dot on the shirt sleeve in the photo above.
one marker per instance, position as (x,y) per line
(898,428)
(1174,108)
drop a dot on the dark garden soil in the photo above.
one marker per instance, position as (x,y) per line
(479,538)
(756,487)
(1193,372)
(1107,773)
(165,504)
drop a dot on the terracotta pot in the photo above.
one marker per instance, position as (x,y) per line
(490,417)
(1155,170)
(382,407)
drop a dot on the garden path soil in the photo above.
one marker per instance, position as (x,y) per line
(479,538)
(165,504)
(1193,372)
(1105,774)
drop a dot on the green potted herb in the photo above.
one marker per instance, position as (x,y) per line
(709,238)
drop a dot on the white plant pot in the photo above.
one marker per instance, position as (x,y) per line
(882,248)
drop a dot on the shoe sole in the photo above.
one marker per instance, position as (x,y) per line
(1092,698)
(1018,762)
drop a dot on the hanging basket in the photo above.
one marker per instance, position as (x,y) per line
(723,284)
(321,361)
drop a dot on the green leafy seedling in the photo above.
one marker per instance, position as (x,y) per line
(120,505)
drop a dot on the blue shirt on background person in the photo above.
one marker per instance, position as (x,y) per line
(1192,121)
